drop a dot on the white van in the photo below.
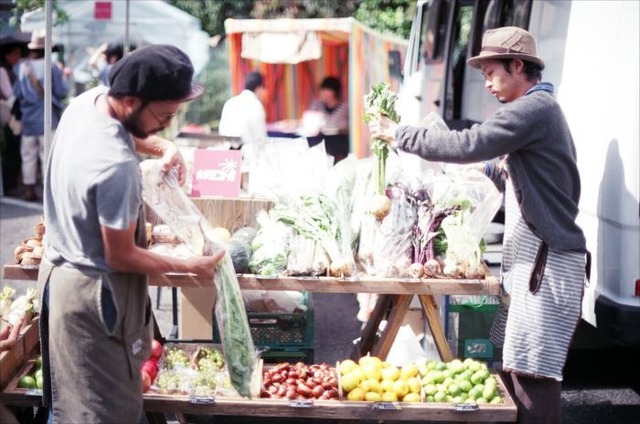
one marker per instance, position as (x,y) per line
(591,49)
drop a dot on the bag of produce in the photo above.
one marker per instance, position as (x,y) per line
(163,194)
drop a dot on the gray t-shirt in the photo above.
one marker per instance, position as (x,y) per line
(93,179)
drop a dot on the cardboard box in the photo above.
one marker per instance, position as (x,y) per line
(196,304)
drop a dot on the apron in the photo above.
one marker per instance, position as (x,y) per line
(535,323)
(95,334)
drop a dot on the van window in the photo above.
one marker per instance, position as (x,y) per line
(499,13)
(434,32)
(463,21)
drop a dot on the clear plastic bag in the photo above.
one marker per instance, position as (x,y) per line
(169,202)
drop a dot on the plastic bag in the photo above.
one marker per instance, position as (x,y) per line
(270,247)
(164,196)
(479,200)
(283,169)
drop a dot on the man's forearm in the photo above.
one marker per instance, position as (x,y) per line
(152,145)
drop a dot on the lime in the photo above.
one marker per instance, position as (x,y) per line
(454,389)
(465,385)
(441,366)
(439,397)
(39,382)
(488,393)
(474,393)
(38,374)
(430,389)
(39,362)
(481,400)
(27,382)
(430,398)
(496,400)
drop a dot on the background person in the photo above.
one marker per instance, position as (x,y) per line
(244,115)
(327,118)
(96,322)
(10,55)
(543,266)
(29,91)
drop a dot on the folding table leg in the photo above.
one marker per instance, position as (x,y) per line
(430,308)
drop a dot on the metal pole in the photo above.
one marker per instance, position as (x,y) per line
(47,82)
(126,30)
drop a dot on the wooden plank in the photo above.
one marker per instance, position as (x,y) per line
(430,308)
(12,360)
(365,284)
(394,322)
(333,410)
(369,334)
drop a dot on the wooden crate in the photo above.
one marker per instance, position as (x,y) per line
(13,359)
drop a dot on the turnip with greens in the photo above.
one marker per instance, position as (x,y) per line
(380,101)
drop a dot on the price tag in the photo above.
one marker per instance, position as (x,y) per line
(387,406)
(306,403)
(202,400)
(34,392)
(465,407)
(308,278)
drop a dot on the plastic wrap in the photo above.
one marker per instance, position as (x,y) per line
(164,196)
(270,247)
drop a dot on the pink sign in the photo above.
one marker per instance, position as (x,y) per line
(216,173)
(102,10)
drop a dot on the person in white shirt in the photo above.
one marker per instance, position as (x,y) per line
(244,115)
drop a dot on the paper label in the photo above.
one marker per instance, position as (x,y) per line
(387,406)
(465,407)
(307,403)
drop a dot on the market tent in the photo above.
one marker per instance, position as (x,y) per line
(295,55)
(150,22)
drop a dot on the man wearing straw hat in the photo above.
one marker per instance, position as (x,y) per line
(96,322)
(544,256)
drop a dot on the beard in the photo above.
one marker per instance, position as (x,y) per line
(132,125)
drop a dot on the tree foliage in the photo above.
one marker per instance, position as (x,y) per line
(387,16)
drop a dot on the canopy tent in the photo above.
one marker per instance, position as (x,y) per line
(150,22)
(295,55)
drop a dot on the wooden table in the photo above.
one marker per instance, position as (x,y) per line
(394,302)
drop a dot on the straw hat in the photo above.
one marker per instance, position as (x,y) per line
(37,40)
(507,43)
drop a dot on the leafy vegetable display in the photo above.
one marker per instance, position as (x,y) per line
(380,101)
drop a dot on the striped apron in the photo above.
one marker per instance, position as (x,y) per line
(535,328)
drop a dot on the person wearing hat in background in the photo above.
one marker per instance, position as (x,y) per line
(96,323)
(10,54)
(544,258)
(29,91)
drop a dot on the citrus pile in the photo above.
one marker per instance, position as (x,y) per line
(458,381)
(371,379)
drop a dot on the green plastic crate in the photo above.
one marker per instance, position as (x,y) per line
(474,326)
(282,330)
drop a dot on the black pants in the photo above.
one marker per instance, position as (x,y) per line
(11,160)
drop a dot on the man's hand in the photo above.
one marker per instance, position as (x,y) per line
(169,154)
(9,335)
(383,128)
(205,266)
(172,158)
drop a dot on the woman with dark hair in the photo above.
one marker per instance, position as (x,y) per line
(327,119)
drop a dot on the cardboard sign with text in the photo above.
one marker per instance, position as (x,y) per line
(216,173)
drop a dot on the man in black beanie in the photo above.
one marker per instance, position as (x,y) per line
(96,318)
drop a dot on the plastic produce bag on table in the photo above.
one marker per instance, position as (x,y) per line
(478,200)
(164,196)
(283,169)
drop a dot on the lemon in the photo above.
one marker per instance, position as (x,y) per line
(389,397)
(346,366)
(371,371)
(400,388)
(414,384)
(411,397)
(372,397)
(409,370)
(349,382)
(356,394)
(390,373)
(387,385)
(370,360)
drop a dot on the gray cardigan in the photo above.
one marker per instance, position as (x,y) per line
(541,161)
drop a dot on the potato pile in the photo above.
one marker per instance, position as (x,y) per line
(30,251)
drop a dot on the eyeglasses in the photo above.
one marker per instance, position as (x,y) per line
(161,121)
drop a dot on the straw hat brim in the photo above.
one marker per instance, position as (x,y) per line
(486,55)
